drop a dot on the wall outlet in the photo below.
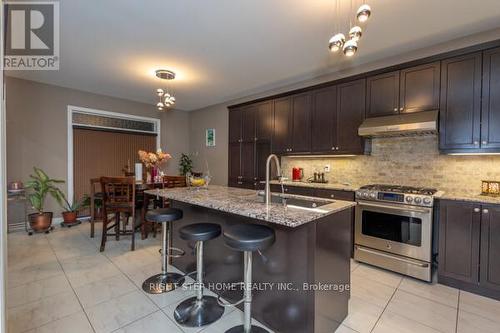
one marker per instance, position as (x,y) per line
(326,168)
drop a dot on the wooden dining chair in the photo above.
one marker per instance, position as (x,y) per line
(118,199)
(167,182)
(95,196)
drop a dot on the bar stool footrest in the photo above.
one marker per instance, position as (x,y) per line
(180,252)
(226,304)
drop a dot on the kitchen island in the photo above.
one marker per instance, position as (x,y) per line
(301,282)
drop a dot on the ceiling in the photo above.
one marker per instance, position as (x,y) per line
(226,49)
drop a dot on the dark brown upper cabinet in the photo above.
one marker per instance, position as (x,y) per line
(490,118)
(350,115)
(301,124)
(292,124)
(460,106)
(459,241)
(412,89)
(235,121)
(282,125)
(382,94)
(264,122)
(490,247)
(419,88)
(248,123)
(324,120)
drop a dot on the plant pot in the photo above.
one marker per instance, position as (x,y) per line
(69,217)
(40,222)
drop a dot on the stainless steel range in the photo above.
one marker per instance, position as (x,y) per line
(394,227)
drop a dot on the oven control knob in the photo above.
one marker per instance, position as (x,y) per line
(409,199)
(365,195)
(373,195)
(427,200)
(418,200)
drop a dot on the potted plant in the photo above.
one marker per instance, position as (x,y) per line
(70,212)
(41,185)
(185,165)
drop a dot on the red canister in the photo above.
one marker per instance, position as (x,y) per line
(297,174)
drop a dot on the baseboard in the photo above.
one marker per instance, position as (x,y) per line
(469,287)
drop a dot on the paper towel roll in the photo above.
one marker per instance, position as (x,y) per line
(138,172)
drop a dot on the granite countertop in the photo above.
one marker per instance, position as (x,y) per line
(469,197)
(328,186)
(247,203)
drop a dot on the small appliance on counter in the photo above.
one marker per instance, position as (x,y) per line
(297,174)
(319,178)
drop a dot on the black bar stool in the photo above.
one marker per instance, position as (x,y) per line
(248,238)
(165,281)
(199,310)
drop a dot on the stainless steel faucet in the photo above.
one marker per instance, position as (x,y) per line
(268,171)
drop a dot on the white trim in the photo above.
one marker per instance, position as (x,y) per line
(79,109)
(3,188)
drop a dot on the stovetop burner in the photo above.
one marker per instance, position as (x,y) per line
(400,189)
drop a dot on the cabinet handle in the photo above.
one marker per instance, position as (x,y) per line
(476,143)
(485,211)
(485,142)
(336,148)
(332,195)
(255,139)
(286,190)
(401,109)
(290,149)
(477,210)
(395,109)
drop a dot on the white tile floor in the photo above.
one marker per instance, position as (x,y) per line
(60,283)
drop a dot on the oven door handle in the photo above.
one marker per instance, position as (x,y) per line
(407,261)
(401,209)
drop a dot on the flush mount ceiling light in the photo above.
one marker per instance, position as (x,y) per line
(338,41)
(167,99)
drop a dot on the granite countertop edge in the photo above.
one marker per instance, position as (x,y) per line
(240,206)
(479,198)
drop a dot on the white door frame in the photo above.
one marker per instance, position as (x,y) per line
(3,189)
(79,109)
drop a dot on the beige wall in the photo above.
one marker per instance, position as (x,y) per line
(218,157)
(37,127)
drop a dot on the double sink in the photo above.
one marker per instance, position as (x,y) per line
(312,204)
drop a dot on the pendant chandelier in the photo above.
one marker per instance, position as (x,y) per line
(167,99)
(338,42)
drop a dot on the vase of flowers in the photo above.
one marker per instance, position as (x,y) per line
(152,162)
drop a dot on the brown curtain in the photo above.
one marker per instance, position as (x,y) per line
(98,153)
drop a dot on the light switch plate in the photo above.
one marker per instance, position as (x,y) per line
(327,168)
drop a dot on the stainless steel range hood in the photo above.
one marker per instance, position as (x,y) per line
(418,123)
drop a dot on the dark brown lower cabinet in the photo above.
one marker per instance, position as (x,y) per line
(459,235)
(469,247)
(490,247)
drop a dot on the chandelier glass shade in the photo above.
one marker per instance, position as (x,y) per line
(338,42)
(167,99)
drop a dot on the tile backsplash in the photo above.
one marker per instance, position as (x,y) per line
(411,161)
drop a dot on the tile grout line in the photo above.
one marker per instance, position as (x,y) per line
(71,285)
(458,311)
(386,305)
(128,278)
